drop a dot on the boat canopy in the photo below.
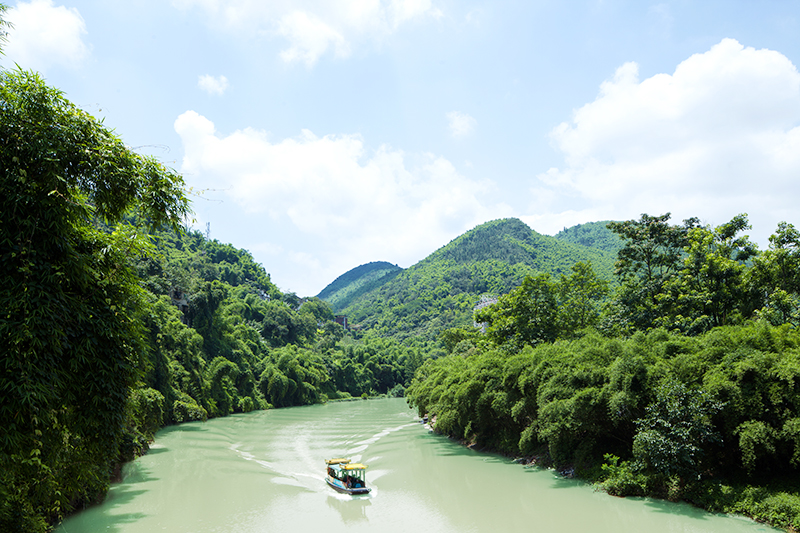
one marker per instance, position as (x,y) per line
(337,461)
(354,466)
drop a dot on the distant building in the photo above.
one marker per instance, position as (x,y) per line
(341,320)
(485,301)
(180,300)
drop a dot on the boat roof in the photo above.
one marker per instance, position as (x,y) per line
(337,461)
(354,466)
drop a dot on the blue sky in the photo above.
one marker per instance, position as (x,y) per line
(321,135)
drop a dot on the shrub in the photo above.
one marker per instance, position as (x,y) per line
(186,409)
(622,479)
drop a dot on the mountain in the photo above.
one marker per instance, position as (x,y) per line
(440,291)
(593,235)
(353,283)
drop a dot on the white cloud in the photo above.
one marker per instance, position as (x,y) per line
(310,37)
(44,35)
(719,136)
(460,124)
(313,28)
(361,204)
(213,84)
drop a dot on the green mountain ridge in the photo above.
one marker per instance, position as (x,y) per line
(593,235)
(440,291)
(114,327)
(357,281)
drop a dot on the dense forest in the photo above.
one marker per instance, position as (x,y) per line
(240,344)
(356,282)
(117,320)
(681,383)
(440,292)
(594,235)
(650,357)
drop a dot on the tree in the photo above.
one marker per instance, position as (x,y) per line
(672,435)
(775,276)
(278,326)
(579,296)
(784,255)
(319,309)
(69,334)
(709,290)
(650,258)
(526,315)
(450,338)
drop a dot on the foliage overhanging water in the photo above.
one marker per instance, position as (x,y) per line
(264,472)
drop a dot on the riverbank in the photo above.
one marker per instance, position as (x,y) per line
(775,504)
(712,419)
(263,471)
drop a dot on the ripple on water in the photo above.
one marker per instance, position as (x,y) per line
(264,471)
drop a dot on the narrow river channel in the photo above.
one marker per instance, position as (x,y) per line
(264,472)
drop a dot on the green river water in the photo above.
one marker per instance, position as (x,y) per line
(264,472)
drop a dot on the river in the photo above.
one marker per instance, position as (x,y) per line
(264,472)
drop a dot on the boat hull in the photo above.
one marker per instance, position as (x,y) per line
(339,486)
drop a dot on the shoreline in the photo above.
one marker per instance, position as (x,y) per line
(730,506)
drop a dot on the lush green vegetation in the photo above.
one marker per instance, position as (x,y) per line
(241,344)
(593,235)
(441,291)
(117,321)
(676,375)
(70,337)
(360,280)
(685,385)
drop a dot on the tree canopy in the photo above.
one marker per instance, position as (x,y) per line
(440,292)
(116,320)
(70,300)
(683,385)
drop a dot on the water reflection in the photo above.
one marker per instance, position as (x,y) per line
(352,509)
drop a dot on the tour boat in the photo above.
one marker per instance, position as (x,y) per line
(346,477)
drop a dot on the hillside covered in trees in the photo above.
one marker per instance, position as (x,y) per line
(441,291)
(353,283)
(117,320)
(651,357)
(218,337)
(682,383)
(593,235)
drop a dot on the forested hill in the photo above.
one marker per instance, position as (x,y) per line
(594,235)
(353,283)
(115,325)
(440,291)
(513,242)
(116,321)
